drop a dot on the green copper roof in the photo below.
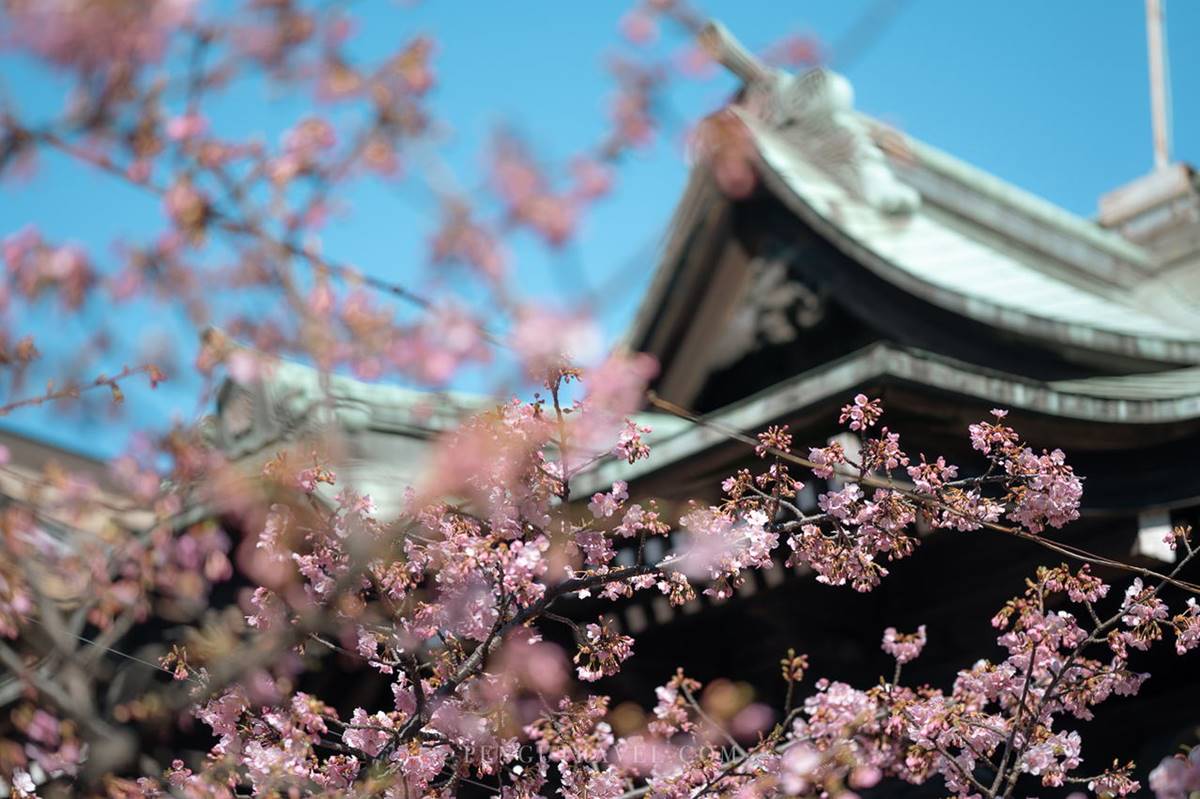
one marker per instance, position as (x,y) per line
(984,272)
(1097,240)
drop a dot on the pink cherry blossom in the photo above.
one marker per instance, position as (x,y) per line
(904,648)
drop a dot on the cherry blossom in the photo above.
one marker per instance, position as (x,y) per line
(1177,777)
(903,648)
(862,413)
(88,37)
(455,601)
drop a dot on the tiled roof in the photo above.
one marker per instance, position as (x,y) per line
(984,272)
(1165,397)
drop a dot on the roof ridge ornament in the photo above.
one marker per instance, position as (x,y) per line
(814,112)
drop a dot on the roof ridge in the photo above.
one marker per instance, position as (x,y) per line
(910,148)
(929,259)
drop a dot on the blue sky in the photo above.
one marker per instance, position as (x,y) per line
(1051,96)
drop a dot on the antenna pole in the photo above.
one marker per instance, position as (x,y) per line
(1158,83)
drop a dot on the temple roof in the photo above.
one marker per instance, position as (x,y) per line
(935,228)
(1029,270)
(377,435)
(285,399)
(1161,398)
(975,246)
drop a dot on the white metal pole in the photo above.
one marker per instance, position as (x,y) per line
(1158,83)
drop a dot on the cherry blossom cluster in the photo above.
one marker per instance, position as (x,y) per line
(868,510)
(481,610)
(1044,491)
(996,726)
(449,609)
(1177,777)
(474,575)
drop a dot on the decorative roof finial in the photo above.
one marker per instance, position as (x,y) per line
(814,111)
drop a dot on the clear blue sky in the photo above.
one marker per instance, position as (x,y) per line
(1051,96)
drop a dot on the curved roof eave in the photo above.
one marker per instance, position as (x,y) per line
(1164,398)
(1106,338)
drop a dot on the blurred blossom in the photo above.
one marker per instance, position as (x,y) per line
(639,27)
(94,36)
(751,720)
(723,143)
(545,339)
